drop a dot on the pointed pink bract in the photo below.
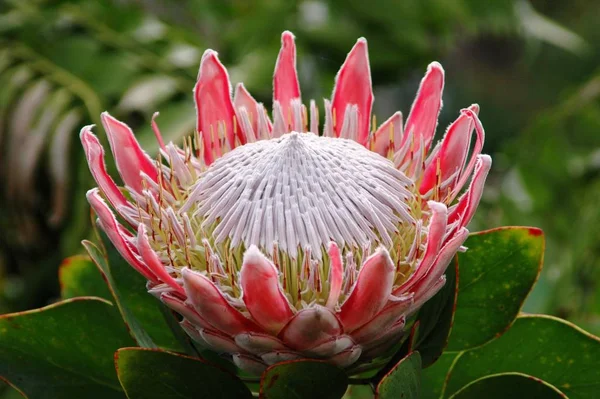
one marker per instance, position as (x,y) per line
(285,79)
(371,291)
(218,341)
(353,86)
(257,343)
(95,159)
(467,204)
(479,141)
(129,156)
(423,116)
(113,230)
(153,262)
(185,310)
(452,155)
(214,108)
(389,315)
(442,260)
(336,275)
(435,239)
(262,294)
(243,98)
(211,305)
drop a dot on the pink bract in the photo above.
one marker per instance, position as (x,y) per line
(275,241)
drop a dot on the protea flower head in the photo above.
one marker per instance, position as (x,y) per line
(278,240)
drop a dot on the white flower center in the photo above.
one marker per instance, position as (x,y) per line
(302,191)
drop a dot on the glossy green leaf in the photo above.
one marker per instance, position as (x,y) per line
(359,392)
(64,350)
(496,274)
(148,374)
(433,377)
(435,319)
(508,385)
(79,276)
(137,331)
(140,310)
(303,379)
(403,381)
(545,347)
(9,392)
(149,311)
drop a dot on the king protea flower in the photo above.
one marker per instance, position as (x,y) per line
(277,240)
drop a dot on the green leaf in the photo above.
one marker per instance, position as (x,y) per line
(508,385)
(140,310)
(303,379)
(496,274)
(79,276)
(9,392)
(355,391)
(137,331)
(64,350)
(435,319)
(433,377)
(403,381)
(148,374)
(545,347)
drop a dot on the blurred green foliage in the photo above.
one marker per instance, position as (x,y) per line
(531,65)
